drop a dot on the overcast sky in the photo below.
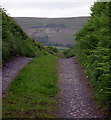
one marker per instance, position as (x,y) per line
(47,8)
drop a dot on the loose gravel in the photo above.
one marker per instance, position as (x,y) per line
(11,69)
(75,97)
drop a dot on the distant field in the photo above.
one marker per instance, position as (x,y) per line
(52,31)
(61,48)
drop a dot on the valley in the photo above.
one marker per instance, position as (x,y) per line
(52,31)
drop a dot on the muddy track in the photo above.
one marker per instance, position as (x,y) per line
(11,69)
(75,97)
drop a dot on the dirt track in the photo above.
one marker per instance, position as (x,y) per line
(11,69)
(75,97)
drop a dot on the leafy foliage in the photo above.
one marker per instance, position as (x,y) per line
(15,41)
(53,49)
(69,53)
(92,50)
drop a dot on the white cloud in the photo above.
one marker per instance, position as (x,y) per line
(47,8)
(58,12)
(42,1)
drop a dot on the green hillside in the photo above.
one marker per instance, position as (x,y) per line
(15,41)
(52,31)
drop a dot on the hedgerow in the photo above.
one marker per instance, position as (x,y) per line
(92,50)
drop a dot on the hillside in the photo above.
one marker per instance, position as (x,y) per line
(52,31)
(15,42)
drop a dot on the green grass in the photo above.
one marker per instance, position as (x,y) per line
(69,52)
(15,41)
(31,94)
(61,48)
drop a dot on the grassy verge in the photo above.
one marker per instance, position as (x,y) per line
(61,48)
(31,94)
(69,53)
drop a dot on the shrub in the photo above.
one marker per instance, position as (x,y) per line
(92,50)
(16,41)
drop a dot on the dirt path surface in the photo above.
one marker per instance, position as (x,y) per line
(75,98)
(11,69)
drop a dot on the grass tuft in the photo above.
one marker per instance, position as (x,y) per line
(31,93)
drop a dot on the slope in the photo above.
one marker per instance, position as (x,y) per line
(52,31)
(15,41)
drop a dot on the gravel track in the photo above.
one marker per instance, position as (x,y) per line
(75,97)
(11,69)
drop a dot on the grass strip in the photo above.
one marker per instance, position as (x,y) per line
(31,94)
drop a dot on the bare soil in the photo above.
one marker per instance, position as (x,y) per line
(11,69)
(75,99)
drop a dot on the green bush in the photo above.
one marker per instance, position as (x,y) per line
(69,53)
(53,49)
(16,41)
(92,50)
